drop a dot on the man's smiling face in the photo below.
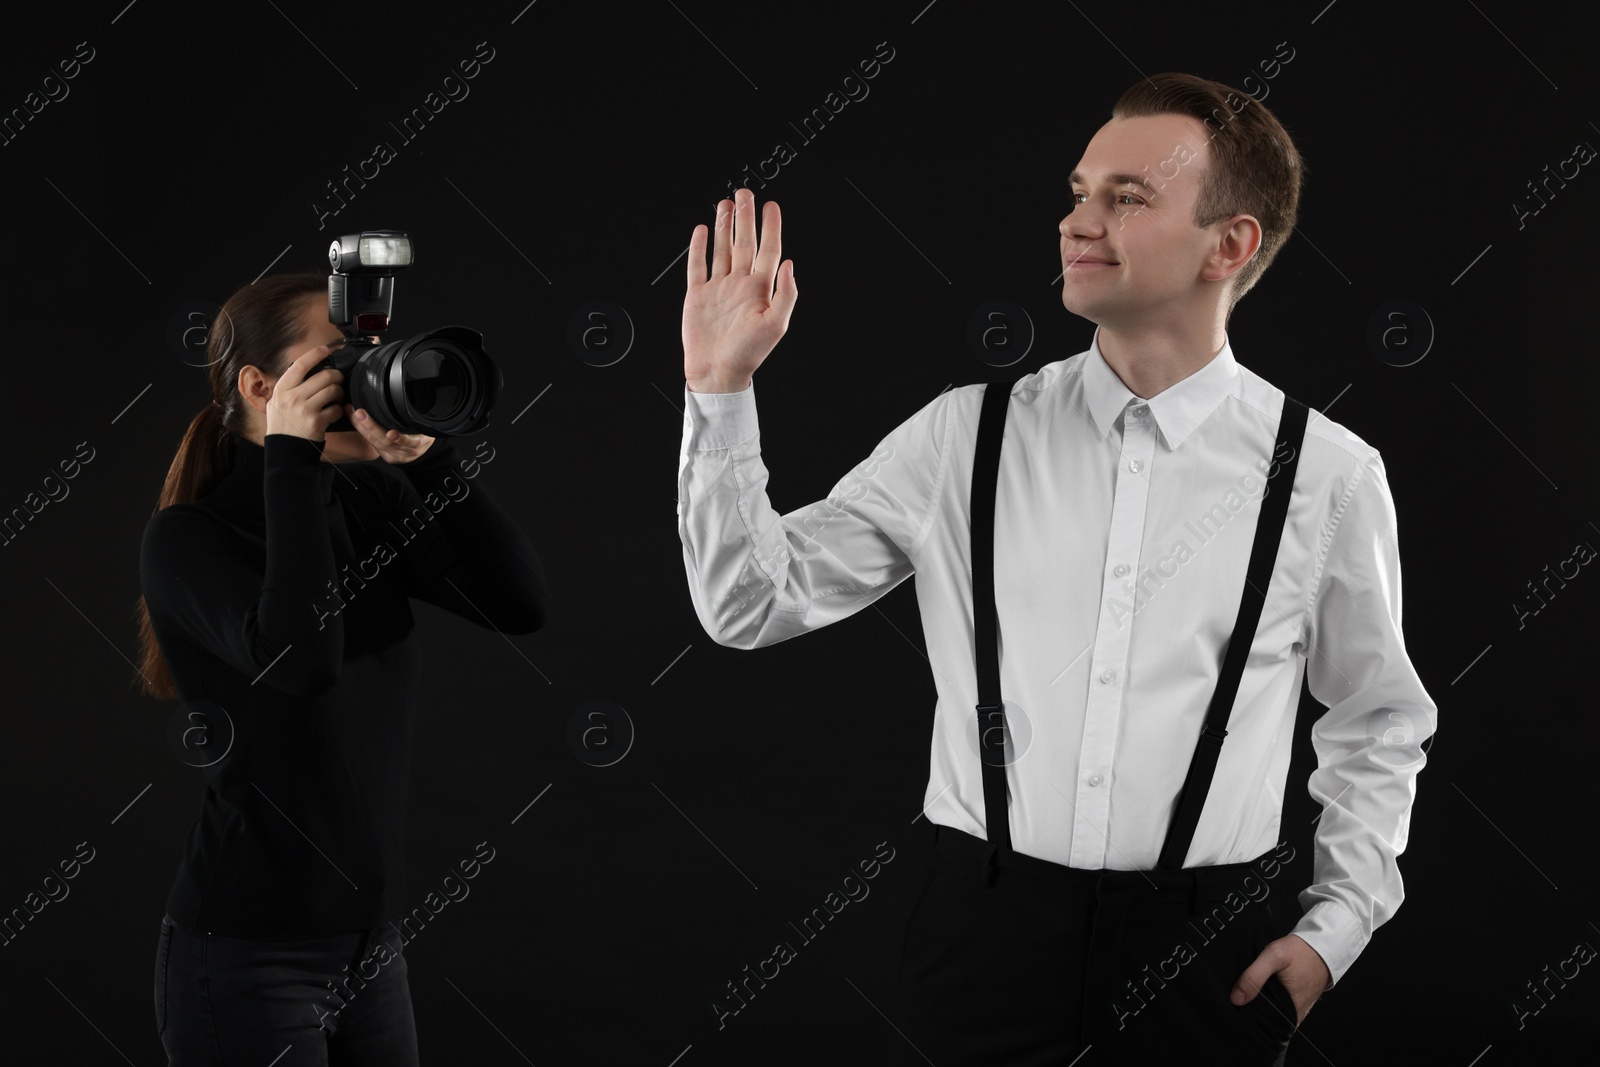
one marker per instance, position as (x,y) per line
(1129,246)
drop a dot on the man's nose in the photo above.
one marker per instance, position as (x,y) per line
(1078,223)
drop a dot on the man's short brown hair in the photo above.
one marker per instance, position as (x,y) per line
(1255,168)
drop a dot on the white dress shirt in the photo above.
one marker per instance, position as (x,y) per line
(1122,531)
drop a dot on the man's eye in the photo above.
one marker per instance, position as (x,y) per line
(1134,196)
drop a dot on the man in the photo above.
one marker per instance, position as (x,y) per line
(1127,500)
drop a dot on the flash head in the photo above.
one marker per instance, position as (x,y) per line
(371,251)
(361,288)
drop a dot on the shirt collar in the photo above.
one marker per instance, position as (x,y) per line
(1177,409)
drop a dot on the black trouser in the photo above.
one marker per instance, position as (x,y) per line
(1134,966)
(228,1000)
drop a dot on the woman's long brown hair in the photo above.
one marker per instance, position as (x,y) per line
(255,328)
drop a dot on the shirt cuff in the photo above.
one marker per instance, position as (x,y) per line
(1335,934)
(722,419)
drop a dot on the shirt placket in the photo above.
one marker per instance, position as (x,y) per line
(1109,665)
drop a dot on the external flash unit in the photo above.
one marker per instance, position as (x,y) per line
(440,383)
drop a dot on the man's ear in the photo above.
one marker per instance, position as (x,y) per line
(1235,247)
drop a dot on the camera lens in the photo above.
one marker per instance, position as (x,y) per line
(441,383)
(437,380)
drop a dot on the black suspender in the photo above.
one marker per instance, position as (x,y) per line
(1263,554)
(985,626)
(991,711)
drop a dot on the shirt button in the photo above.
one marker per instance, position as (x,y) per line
(1095,779)
(1134,465)
(1120,569)
(1107,675)
(1138,409)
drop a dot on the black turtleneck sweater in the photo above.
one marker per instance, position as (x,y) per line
(281,596)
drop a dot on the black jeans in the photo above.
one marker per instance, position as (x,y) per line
(319,1003)
(1053,965)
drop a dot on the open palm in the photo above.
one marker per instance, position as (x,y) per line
(733,318)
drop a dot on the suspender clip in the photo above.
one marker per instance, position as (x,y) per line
(1212,735)
(991,716)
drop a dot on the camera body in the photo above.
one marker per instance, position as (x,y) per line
(440,383)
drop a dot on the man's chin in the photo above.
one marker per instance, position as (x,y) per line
(1080,307)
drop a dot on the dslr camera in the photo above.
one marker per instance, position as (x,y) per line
(440,383)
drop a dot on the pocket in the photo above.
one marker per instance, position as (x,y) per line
(1271,1011)
(1267,925)
(163,953)
(1274,929)
(1285,1000)
(1274,1014)
(911,917)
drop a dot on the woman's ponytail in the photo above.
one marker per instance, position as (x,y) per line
(256,326)
(204,456)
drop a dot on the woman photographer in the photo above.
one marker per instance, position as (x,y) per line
(276,578)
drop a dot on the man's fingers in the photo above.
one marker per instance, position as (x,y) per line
(722,239)
(783,300)
(744,232)
(771,251)
(697,256)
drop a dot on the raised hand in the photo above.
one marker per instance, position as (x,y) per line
(733,318)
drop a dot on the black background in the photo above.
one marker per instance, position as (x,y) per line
(188,155)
